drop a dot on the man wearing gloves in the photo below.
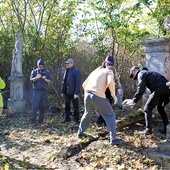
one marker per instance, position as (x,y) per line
(159,96)
(70,91)
(40,77)
(94,87)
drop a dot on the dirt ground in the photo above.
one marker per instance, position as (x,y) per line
(54,146)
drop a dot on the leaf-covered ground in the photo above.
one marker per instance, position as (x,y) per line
(55,146)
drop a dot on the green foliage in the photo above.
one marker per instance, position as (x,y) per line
(44,28)
(161,11)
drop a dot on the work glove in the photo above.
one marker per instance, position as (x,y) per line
(115,100)
(168,84)
(38,76)
(75,96)
(120,92)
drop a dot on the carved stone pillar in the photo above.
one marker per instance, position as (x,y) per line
(16,102)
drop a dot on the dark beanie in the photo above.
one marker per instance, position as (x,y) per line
(40,62)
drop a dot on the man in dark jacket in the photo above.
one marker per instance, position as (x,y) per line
(159,96)
(70,90)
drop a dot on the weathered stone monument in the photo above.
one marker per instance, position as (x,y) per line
(158,55)
(16,102)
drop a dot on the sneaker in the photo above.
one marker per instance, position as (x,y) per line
(145,132)
(117,142)
(65,121)
(82,135)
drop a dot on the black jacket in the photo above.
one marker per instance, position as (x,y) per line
(154,81)
(71,81)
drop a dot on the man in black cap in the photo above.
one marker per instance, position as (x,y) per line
(159,95)
(40,77)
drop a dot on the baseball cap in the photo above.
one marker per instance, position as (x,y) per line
(69,61)
(132,69)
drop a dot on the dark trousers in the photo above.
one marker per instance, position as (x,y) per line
(39,101)
(159,99)
(75,102)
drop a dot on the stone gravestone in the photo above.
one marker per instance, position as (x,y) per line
(16,102)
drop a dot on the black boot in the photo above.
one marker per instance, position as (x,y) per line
(65,120)
(163,130)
